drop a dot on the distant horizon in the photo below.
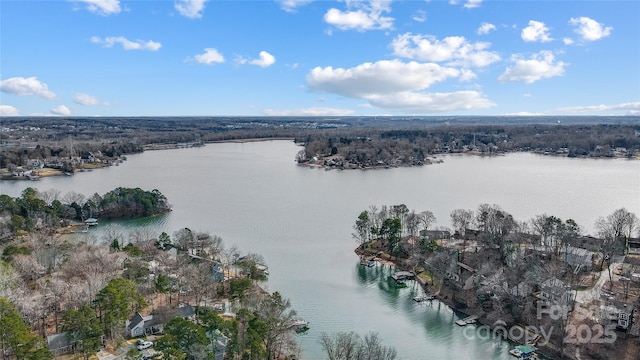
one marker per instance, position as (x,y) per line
(319,58)
(314,116)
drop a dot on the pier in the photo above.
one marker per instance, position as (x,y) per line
(468,320)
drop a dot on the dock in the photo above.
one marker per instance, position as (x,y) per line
(425,297)
(403,275)
(468,320)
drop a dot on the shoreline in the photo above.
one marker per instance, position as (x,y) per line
(323,162)
(386,259)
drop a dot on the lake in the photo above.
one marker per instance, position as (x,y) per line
(300,219)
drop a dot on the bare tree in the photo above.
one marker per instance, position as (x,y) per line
(112,234)
(460,220)
(427,219)
(615,231)
(50,195)
(277,314)
(72,197)
(350,346)
(441,264)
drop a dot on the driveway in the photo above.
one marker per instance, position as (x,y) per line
(585,296)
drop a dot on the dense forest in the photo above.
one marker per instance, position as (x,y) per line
(412,146)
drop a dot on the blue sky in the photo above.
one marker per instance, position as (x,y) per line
(324,58)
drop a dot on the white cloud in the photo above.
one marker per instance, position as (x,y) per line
(87,100)
(397,86)
(102,7)
(631,107)
(470,4)
(382,77)
(126,43)
(453,49)
(467,75)
(536,31)
(293,5)
(8,110)
(209,57)
(485,28)
(589,29)
(567,41)
(419,16)
(432,102)
(61,110)
(361,16)
(264,61)
(192,9)
(312,111)
(26,86)
(541,65)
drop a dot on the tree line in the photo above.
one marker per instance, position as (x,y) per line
(35,209)
(371,147)
(491,262)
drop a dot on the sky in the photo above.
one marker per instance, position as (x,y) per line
(319,58)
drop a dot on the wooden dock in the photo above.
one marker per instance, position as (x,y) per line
(468,320)
(403,275)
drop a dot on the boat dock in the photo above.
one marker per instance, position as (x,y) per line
(524,352)
(468,320)
(403,275)
(425,297)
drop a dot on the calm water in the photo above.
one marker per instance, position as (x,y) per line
(300,219)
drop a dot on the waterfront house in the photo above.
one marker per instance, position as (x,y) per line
(140,325)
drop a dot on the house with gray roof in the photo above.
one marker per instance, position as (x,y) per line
(140,325)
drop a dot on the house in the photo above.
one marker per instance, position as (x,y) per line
(59,344)
(618,313)
(556,291)
(218,273)
(435,234)
(218,344)
(140,325)
(587,242)
(577,257)
(633,246)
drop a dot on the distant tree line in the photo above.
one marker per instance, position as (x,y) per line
(371,147)
(360,140)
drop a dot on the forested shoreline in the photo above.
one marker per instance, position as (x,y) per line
(69,144)
(496,267)
(35,210)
